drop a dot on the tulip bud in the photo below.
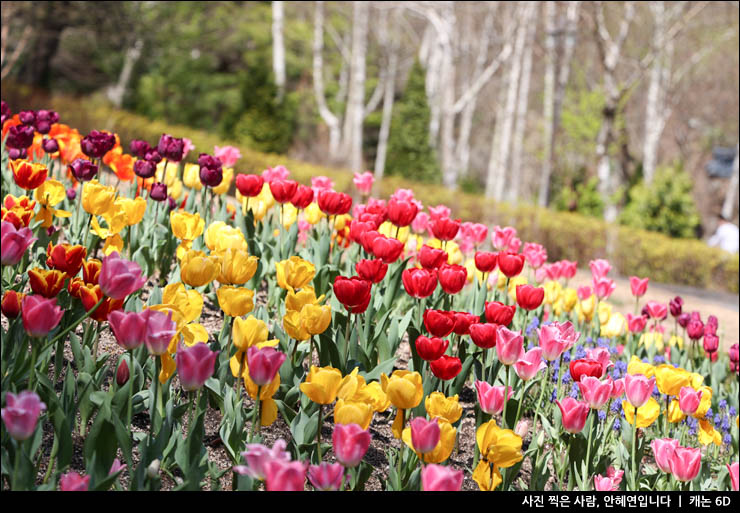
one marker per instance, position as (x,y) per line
(122,374)
(17,153)
(152,471)
(522,428)
(144,168)
(50,145)
(158,191)
(540,439)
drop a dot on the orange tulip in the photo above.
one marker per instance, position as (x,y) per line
(28,175)
(46,283)
(65,257)
(18,211)
(90,295)
(91,270)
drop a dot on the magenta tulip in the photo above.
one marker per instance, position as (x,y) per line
(119,278)
(604,287)
(733,470)
(326,477)
(594,391)
(129,328)
(663,449)
(195,364)
(685,463)
(285,476)
(74,482)
(689,400)
(350,444)
(509,345)
(639,285)
(638,388)
(21,414)
(160,328)
(438,478)
(14,243)
(574,414)
(490,398)
(40,315)
(529,364)
(258,456)
(556,338)
(657,310)
(424,434)
(264,364)
(599,268)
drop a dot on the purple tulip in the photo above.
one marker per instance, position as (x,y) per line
(50,145)
(144,168)
(120,277)
(96,143)
(158,191)
(153,156)
(83,169)
(20,137)
(14,243)
(71,193)
(171,148)
(675,305)
(27,117)
(139,148)
(44,120)
(211,172)
(195,364)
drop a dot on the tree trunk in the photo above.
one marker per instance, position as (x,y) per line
(549,94)
(329,118)
(278,48)
(354,115)
(653,107)
(447,126)
(728,207)
(388,98)
(117,92)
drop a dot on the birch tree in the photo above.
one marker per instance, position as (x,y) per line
(278,48)
(390,37)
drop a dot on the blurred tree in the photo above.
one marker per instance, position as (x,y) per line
(409,151)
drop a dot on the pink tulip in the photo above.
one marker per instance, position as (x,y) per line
(657,310)
(595,392)
(515,244)
(604,484)
(601,355)
(350,444)
(420,224)
(438,478)
(129,328)
(228,155)
(509,345)
(663,449)
(326,476)
(258,456)
(116,467)
(638,388)
(440,211)
(574,414)
(584,292)
(636,323)
(733,469)
(21,414)
(40,315)
(74,482)
(604,287)
(285,476)
(275,173)
(490,398)
(689,400)
(638,285)
(685,463)
(615,475)
(14,243)
(599,268)
(187,147)
(529,364)
(617,388)
(535,254)
(195,364)
(264,364)
(160,328)
(501,237)
(541,274)
(556,338)
(119,278)
(478,232)
(568,269)
(364,182)
(424,434)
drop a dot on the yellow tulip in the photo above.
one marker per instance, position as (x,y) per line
(615,327)
(289,215)
(674,412)
(652,338)
(268,407)
(586,308)
(569,299)
(447,408)
(670,380)
(353,412)
(294,273)
(313,213)
(134,208)
(96,198)
(443,449)
(389,230)
(219,237)
(705,403)
(322,384)
(49,194)
(553,290)
(237,266)
(636,366)
(191,176)
(373,394)
(248,332)
(169,178)
(707,434)
(487,476)
(185,225)
(192,333)
(235,301)
(500,446)
(604,311)
(197,269)
(697,380)
(646,414)
(113,243)
(454,255)
(404,388)
(315,319)
(675,340)
(293,326)
(228,177)
(295,301)
(188,302)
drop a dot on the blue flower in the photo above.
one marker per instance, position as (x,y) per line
(602,415)
(616,407)
(722,404)
(710,413)
(658,359)
(717,419)
(566,357)
(732,411)
(589,339)
(566,378)
(727,439)
(617,426)
(554,395)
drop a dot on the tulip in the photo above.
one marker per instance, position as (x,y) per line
(258,456)
(499,313)
(663,450)
(601,355)
(197,269)
(447,409)
(574,414)
(452,278)
(326,476)
(463,322)
(211,171)
(695,329)
(158,192)
(20,137)
(424,434)
(595,392)
(656,310)
(264,364)
(401,212)
(430,349)
(21,414)
(599,268)
(171,148)
(28,175)
(585,367)
(129,328)
(353,293)
(14,243)
(535,254)
(490,398)
(509,345)
(367,239)
(438,478)
(555,339)
(419,283)
(74,482)
(139,148)
(638,285)
(97,143)
(711,344)
(675,306)
(636,323)
(322,384)
(350,442)
(439,323)
(444,228)
(734,355)
(160,329)
(483,335)
(387,249)
(249,185)
(510,263)
(364,182)
(353,412)
(528,297)
(371,270)
(294,273)
(119,278)
(685,463)
(195,365)
(603,287)
(235,301)
(501,447)
(285,476)
(334,203)
(122,373)
(40,315)
(689,400)
(446,367)
(431,258)
(404,389)
(529,364)
(638,388)
(733,471)
(11,303)
(485,261)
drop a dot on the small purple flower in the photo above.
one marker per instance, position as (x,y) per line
(71,193)
(602,415)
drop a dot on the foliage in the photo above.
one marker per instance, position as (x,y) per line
(583,197)
(664,206)
(409,151)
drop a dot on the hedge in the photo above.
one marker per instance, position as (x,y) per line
(565,235)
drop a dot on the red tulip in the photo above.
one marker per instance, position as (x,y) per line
(431,258)
(122,373)
(431,349)
(419,283)
(283,190)
(387,249)
(584,367)
(446,367)
(483,335)
(529,297)
(463,321)
(334,203)
(486,261)
(65,257)
(401,212)
(444,228)
(249,185)
(499,313)
(352,292)
(303,196)
(195,364)
(367,239)
(438,322)
(452,278)
(11,303)
(371,270)
(510,263)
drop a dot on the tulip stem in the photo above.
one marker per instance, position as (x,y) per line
(16,473)
(129,409)
(76,323)
(255,413)
(543,385)
(519,408)
(506,397)
(318,435)
(346,341)
(32,370)
(588,453)
(240,378)
(634,447)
